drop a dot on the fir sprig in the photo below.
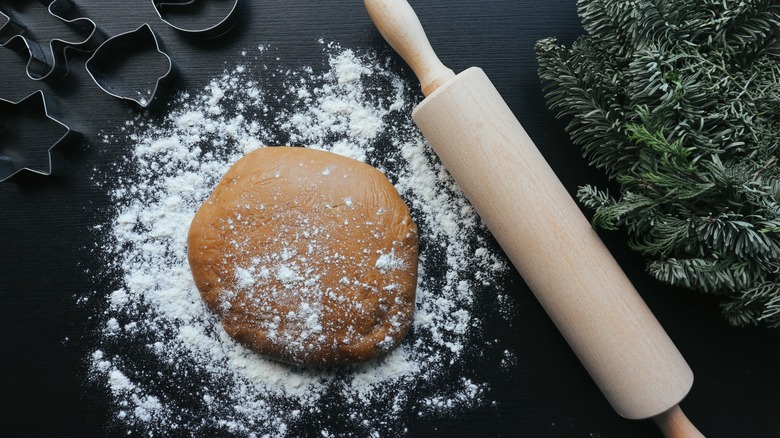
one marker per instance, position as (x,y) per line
(678,101)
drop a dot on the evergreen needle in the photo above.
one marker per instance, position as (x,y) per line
(678,102)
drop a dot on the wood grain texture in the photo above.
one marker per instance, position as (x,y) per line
(400,27)
(47,235)
(674,424)
(553,246)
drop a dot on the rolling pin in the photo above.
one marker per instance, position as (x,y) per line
(543,232)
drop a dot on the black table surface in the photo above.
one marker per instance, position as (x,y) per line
(46,234)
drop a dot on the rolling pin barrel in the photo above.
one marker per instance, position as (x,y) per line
(553,246)
(543,232)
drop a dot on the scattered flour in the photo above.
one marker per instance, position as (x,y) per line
(387,262)
(163,357)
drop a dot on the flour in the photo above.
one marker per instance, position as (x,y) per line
(389,261)
(165,360)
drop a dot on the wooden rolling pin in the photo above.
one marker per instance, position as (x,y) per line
(544,233)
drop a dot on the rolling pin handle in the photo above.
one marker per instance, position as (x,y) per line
(674,424)
(399,25)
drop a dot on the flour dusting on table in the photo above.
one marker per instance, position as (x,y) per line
(166,362)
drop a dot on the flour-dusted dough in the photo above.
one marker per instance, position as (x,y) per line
(307,256)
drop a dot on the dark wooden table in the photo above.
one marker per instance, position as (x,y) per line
(46,236)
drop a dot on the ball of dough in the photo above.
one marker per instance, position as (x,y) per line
(307,257)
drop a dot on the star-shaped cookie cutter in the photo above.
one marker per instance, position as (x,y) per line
(39,66)
(15,153)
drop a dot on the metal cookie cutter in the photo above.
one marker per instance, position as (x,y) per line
(31,140)
(123,65)
(43,66)
(180,11)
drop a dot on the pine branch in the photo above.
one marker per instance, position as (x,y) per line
(706,275)
(594,110)
(678,101)
(759,305)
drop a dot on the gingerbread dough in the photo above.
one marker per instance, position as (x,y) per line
(307,256)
